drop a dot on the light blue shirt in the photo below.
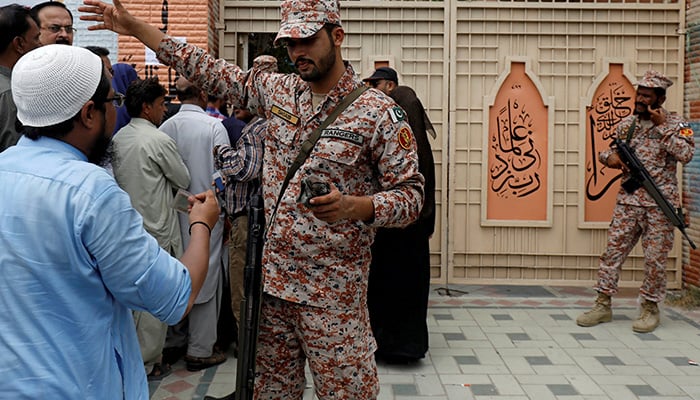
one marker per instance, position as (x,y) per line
(74,259)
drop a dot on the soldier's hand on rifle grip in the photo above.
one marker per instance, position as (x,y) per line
(615,162)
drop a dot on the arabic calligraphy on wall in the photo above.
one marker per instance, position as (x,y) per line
(612,101)
(518,150)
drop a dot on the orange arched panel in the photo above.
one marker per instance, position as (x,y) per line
(613,101)
(517,151)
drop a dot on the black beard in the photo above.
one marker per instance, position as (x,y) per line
(102,151)
(645,114)
(321,69)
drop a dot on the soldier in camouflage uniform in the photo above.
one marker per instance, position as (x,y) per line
(661,140)
(315,259)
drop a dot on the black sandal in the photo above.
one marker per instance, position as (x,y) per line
(159,372)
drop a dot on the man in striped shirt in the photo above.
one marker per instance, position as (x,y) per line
(240,165)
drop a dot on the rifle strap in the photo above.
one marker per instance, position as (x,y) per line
(309,143)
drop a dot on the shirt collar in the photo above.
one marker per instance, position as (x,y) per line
(192,107)
(53,144)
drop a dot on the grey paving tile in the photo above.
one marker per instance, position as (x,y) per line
(454,336)
(484,390)
(404,390)
(678,360)
(583,336)
(642,390)
(443,317)
(502,317)
(538,360)
(609,360)
(562,390)
(560,317)
(467,360)
(518,336)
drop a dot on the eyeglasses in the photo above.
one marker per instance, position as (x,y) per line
(374,84)
(117,100)
(57,28)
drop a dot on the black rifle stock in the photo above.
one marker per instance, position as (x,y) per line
(250,305)
(640,177)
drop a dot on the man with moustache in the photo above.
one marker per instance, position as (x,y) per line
(19,34)
(76,259)
(660,140)
(55,22)
(316,257)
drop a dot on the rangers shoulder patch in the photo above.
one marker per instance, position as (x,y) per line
(686,130)
(405,138)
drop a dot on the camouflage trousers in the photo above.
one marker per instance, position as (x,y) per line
(629,225)
(338,344)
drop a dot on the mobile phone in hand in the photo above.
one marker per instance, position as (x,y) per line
(218,182)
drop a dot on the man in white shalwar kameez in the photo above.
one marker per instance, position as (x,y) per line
(196,134)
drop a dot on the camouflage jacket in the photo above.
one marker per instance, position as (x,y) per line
(368,150)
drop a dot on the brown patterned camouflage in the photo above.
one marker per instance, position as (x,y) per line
(323,268)
(636,215)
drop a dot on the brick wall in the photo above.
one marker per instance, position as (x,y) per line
(691,174)
(195,21)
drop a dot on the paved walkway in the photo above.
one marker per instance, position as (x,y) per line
(507,342)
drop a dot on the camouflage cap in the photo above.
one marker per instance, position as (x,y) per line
(654,79)
(265,63)
(303,18)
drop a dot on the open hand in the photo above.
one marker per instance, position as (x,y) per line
(111,17)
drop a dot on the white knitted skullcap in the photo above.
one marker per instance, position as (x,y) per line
(50,84)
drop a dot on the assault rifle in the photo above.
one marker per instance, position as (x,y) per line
(250,305)
(640,177)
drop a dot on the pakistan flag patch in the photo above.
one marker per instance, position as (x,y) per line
(397,114)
